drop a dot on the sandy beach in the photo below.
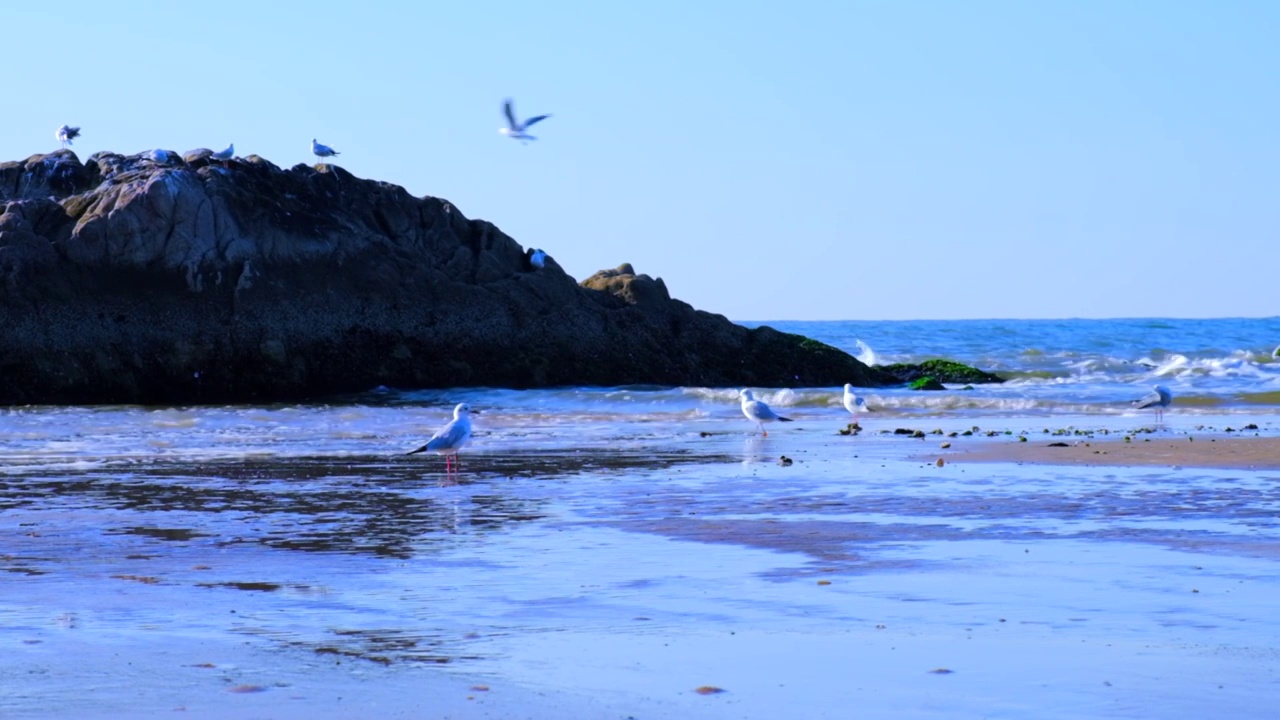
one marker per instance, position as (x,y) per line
(696,576)
(1207,451)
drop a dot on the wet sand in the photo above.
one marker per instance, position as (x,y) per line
(860,580)
(1205,451)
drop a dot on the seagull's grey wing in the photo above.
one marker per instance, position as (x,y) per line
(450,436)
(759,411)
(536,119)
(73,133)
(510,112)
(1147,400)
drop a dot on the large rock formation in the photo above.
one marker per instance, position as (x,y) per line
(156,278)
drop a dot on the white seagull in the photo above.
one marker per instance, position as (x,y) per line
(538,259)
(225,155)
(66,134)
(1160,399)
(322,150)
(757,412)
(853,403)
(450,438)
(515,128)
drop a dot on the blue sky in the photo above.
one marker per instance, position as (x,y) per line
(818,160)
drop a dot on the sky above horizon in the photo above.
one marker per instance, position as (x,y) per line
(834,159)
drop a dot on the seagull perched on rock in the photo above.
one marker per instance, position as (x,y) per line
(225,155)
(1159,399)
(323,151)
(538,259)
(66,134)
(450,438)
(853,403)
(515,128)
(758,412)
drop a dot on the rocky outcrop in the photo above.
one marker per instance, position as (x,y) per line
(926,382)
(940,371)
(167,278)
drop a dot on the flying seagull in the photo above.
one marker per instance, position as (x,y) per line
(450,438)
(66,134)
(515,128)
(1159,399)
(853,403)
(322,150)
(757,412)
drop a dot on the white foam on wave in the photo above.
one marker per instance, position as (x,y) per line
(772,396)
(1240,363)
(865,354)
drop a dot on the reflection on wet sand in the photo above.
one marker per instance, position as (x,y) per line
(358,505)
(564,567)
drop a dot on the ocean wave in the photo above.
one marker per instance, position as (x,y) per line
(864,353)
(1241,363)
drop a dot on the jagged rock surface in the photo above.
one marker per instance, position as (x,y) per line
(167,278)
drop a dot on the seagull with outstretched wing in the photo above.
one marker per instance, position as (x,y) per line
(66,134)
(516,129)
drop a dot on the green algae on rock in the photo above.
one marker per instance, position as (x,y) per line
(943,371)
(925,382)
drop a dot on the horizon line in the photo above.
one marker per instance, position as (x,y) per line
(1013,319)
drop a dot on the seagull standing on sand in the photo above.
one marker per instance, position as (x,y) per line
(225,155)
(853,403)
(515,128)
(323,151)
(450,438)
(1160,399)
(759,413)
(66,134)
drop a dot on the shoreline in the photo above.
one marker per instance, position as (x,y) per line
(1226,453)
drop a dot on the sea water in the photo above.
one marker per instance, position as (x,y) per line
(1057,371)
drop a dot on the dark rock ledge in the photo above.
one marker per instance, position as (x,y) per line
(931,374)
(159,278)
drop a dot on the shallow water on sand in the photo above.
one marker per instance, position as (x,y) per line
(292,562)
(607,552)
